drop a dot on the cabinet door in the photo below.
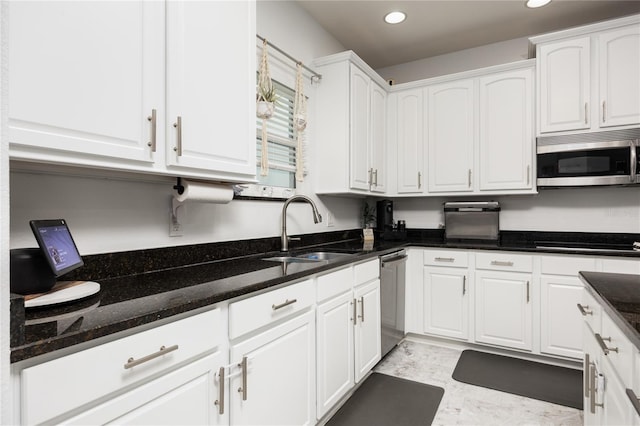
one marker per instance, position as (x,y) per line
(504,309)
(335,366)
(560,320)
(211,78)
(378,137)
(368,328)
(590,365)
(619,58)
(565,81)
(280,381)
(446,302)
(84,78)
(359,130)
(450,136)
(616,409)
(410,124)
(506,130)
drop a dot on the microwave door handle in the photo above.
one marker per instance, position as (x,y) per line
(634,160)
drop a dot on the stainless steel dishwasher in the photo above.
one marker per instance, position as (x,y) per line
(392,293)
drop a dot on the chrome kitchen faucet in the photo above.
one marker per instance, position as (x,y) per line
(316,218)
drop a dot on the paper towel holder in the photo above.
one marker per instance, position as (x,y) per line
(177,205)
(179,187)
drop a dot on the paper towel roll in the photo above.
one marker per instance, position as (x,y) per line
(205,192)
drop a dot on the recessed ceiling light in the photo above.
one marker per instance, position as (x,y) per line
(532,4)
(395,17)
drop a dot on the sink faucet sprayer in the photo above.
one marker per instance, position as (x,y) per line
(316,218)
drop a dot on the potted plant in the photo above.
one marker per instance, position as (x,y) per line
(265,102)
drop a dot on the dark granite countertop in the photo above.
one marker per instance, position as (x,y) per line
(140,287)
(619,295)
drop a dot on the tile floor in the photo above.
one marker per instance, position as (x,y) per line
(464,404)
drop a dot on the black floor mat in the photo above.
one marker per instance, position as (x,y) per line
(550,383)
(386,400)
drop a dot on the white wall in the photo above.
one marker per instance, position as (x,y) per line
(606,209)
(5,395)
(479,57)
(107,215)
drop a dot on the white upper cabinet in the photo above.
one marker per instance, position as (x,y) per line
(565,84)
(88,86)
(351,127)
(210,87)
(410,139)
(589,77)
(506,137)
(619,52)
(451,136)
(84,78)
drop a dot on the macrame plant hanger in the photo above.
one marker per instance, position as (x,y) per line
(265,93)
(300,122)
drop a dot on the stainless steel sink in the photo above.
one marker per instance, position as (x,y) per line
(323,255)
(289,259)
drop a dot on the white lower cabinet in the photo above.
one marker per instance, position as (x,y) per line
(560,320)
(275,384)
(348,330)
(446,302)
(159,376)
(504,313)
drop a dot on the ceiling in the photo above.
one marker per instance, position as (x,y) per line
(437,27)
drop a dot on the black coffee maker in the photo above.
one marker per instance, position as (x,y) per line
(384,216)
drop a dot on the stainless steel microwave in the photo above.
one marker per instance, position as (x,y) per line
(603,158)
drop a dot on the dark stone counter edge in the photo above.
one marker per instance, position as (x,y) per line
(613,313)
(511,241)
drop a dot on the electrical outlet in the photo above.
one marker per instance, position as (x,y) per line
(329,219)
(175,228)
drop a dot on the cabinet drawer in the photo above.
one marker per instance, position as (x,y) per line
(365,272)
(451,258)
(592,311)
(257,311)
(566,265)
(620,350)
(499,261)
(55,387)
(334,283)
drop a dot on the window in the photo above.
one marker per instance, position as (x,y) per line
(281,139)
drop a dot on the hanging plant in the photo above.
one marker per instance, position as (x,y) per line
(265,98)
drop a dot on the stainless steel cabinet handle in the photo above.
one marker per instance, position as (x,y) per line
(444,259)
(469,178)
(635,401)
(604,111)
(586,113)
(220,401)
(355,312)
(634,162)
(583,310)
(178,126)
(131,362)
(287,302)
(375,177)
(603,345)
(586,375)
(361,316)
(527,291)
(153,119)
(501,263)
(528,174)
(592,388)
(419,180)
(243,389)
(464,284)
(370,178)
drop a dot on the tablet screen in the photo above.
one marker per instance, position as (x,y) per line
(58,246)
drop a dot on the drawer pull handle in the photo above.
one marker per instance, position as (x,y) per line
(131,362)
(592,388)
(586,373)
(283,304)
(444,259)
(635,401)
(528,298)
(220,401)
(178,126)
(361,316)
(355,312)
(464,284)
(153,120)
(501,263)
(583,310)
(603,345)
